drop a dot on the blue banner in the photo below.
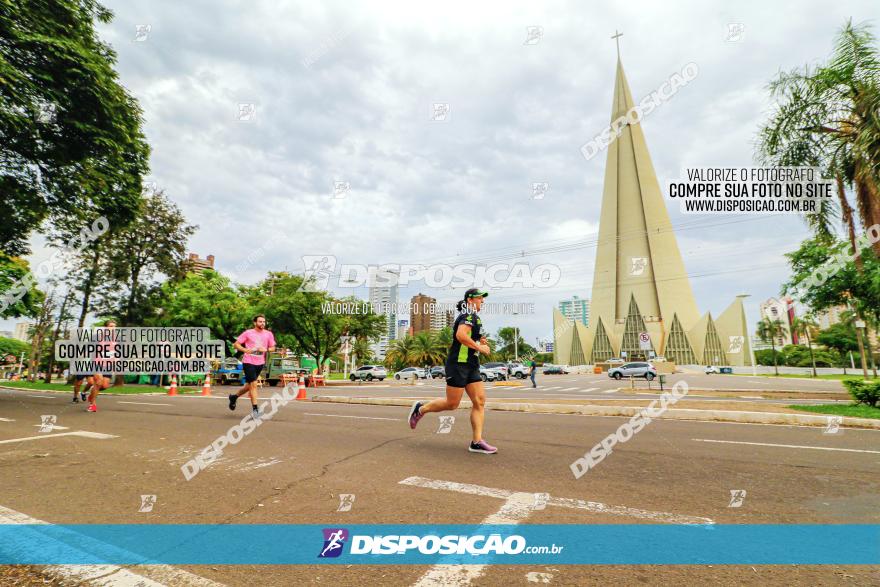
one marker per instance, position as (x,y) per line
(288,544)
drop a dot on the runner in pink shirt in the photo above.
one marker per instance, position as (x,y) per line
(254,343)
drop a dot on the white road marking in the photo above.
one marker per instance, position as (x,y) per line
(593,506)
(356,417)
(44,396)
(875,452)
(517,507)
(6,420)
(588,390)
(568,389)
(82,433)
(610,391)
(54,427)
(107,575)
(142,403)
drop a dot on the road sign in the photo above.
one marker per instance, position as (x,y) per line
(644,341)
(860,323)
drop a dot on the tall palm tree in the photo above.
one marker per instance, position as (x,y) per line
(768,331)
(361,351)
(829,117)
(398,352)
(806,326)
(427,349)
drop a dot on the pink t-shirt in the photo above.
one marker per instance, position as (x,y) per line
(252,339)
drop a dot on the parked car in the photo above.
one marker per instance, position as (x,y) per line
(500,372)
(410,373)
(502,367)
(438,372)
(368,373)
(638,369)
(710,369)
(550,369)
(489,374)
(518,370)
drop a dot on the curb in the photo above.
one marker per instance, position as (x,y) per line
(628,411)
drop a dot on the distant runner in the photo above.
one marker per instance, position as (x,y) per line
(101,381)
(254,343)
(532,371)
(463,371)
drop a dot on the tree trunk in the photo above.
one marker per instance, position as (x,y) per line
(87,288)
(773,350)
(868,199)
(862,358)
(55,335)
(848,221)
(812,358)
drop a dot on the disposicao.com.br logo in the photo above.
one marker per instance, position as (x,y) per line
(394,544)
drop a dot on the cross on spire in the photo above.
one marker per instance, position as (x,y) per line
(616,36)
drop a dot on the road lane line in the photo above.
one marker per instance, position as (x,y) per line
(44,396)
(875,452)
(592,506)
(6,420)
(568,389)
(356,417)
(588,390)
(107,575)
(142,403)
(517,507)
(82,433)
(54,427)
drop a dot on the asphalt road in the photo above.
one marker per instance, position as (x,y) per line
(293,468)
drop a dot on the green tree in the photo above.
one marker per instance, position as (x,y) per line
(307,317)
(506,347)
(70,134)
(154,242)
(427,349)
(828,116)
(18,288)
(361,351)
(204,299)
(842,338)
(768,331)
(398,353)
(13,346)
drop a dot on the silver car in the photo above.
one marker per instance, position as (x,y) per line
(637,369)
(410,373)
(368,373)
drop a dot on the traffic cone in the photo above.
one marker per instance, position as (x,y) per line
(173,389)
(206,386)
(302,389)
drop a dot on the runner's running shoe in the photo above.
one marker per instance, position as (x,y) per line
(414,415)
(232,399)
(93,408)
(483,447)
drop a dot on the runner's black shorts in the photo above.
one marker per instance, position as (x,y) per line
(460,374)
(251,372)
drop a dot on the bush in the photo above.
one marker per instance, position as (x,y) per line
(864,392)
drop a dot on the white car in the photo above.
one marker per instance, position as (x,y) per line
(710,369)
(410,373)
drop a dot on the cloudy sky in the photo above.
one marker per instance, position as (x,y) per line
(344,91)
